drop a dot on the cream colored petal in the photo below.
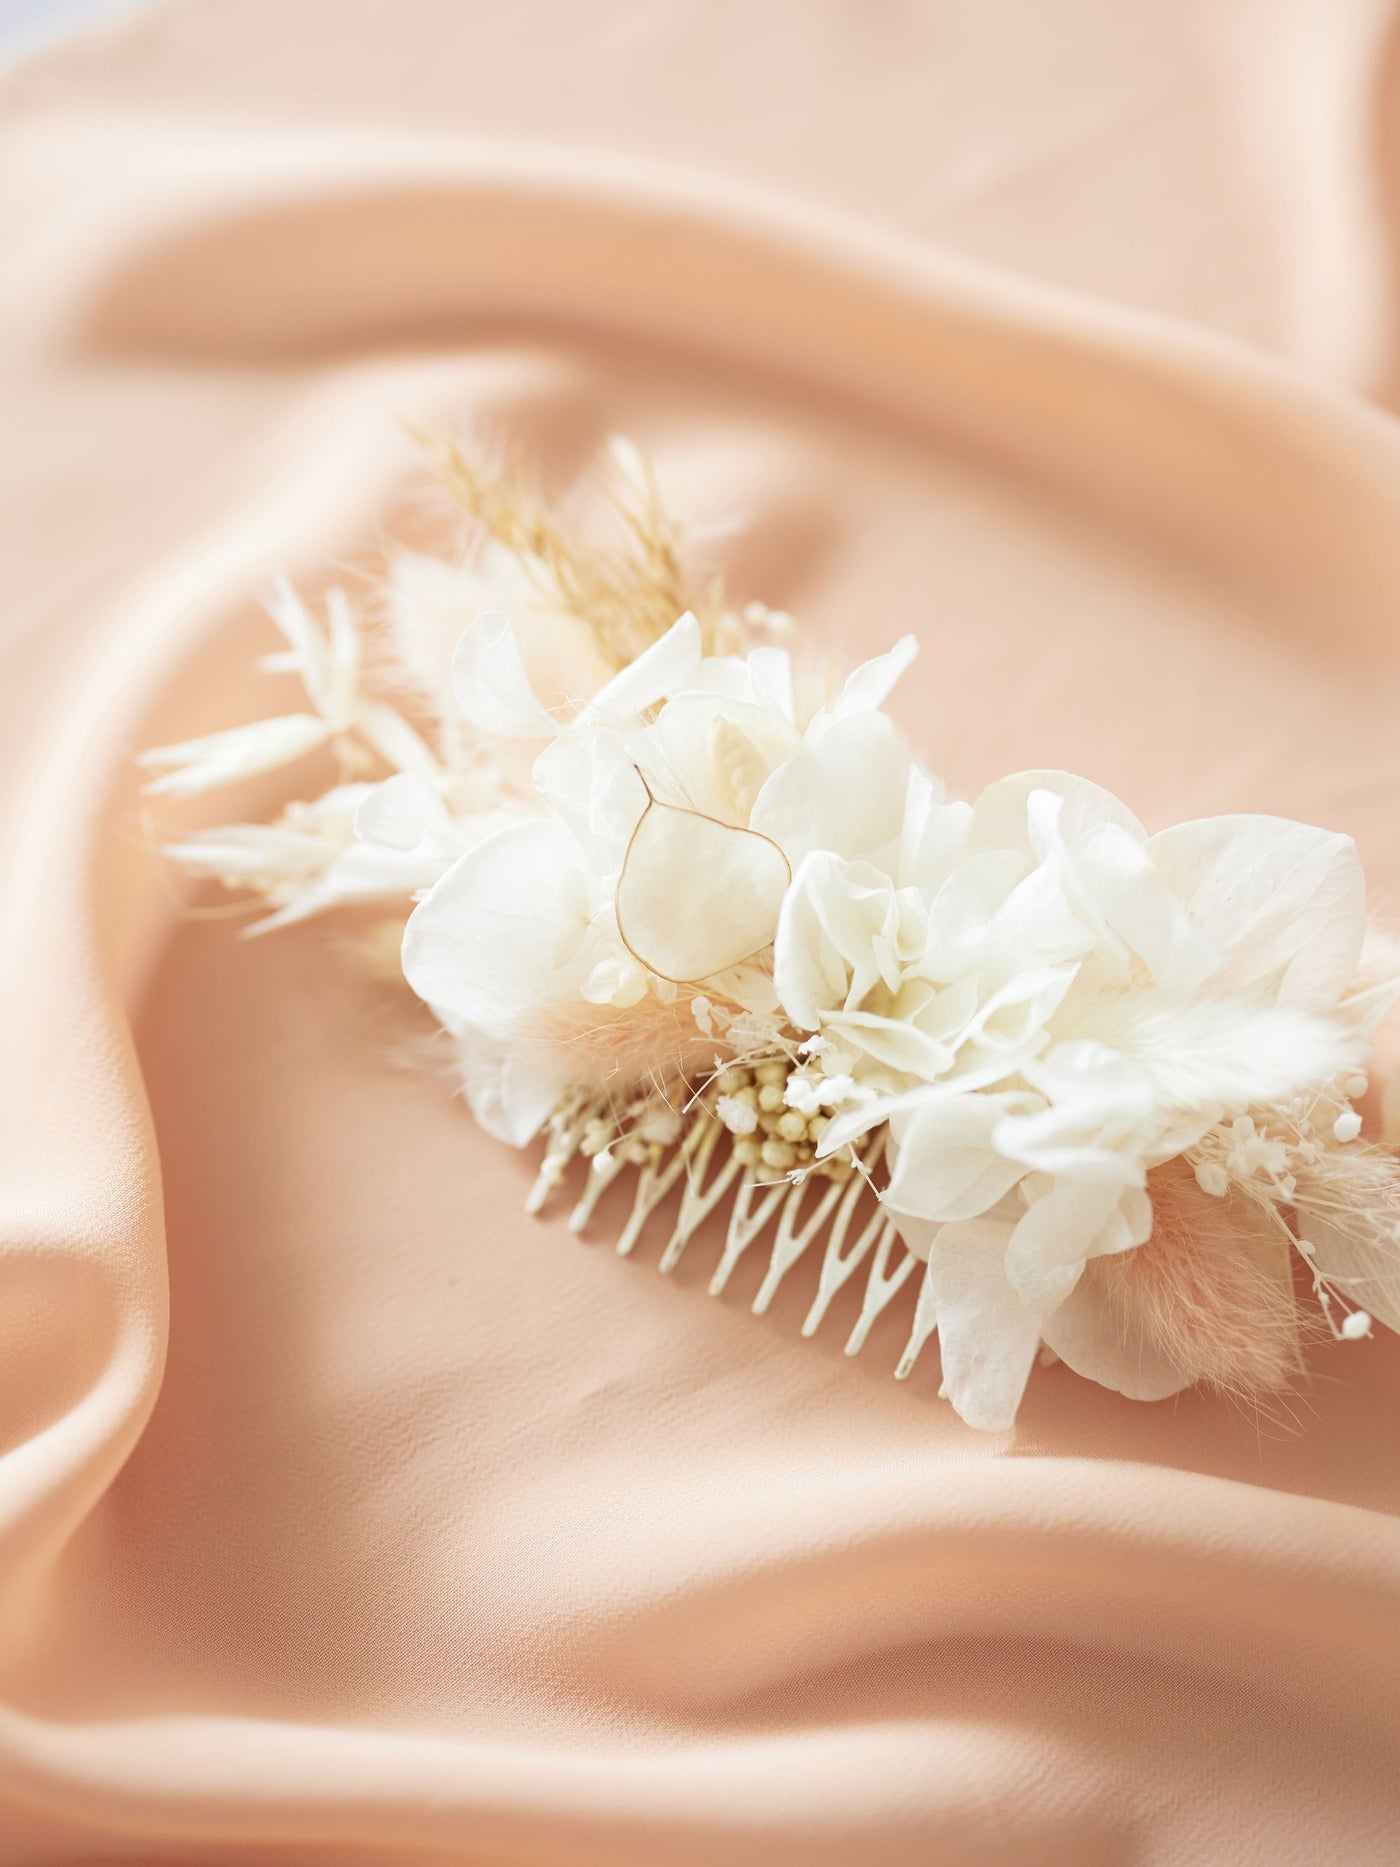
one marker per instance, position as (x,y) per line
(657,672)
(844,791)
(1280,901)
(397,814)
(987,1337)
(1001,812)
(677,753)
(1084,1334)
(512,1088)
(1065,1227)
(496,944)
(868,687)
(490,684)
(696,896)
(944,1164)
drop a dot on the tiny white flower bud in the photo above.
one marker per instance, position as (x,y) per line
(739,1118)
(1356,1325)
(1212,1178)
(1346,1128)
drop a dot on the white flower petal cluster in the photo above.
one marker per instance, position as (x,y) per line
(675,806)
(1026,1003)
(1037,1002)
(1044,1003)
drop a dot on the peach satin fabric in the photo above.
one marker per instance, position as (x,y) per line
(345,1514)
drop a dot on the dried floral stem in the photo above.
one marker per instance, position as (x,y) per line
(629,594)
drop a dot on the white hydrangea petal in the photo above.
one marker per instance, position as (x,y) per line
(944,1164)
(1084,1332)
(659,671)
(1115,871)
(868,687)
(397,814)
(842,930)
(1001,813)
(1013,1018)
(591,784)
(512,1088)
(809,968)
(696,896)
(933,834)
(896,1043)
(1098,1122)
(497,940)
(843,791)
(1065,1227)
(987,1337)
(490,684)
(682,753)
(1037,919)
(965,934)
(916,1235)
(770,670)
(1280,901)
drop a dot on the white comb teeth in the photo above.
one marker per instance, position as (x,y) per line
(788,1217)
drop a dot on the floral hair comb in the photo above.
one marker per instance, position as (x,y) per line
(690,912)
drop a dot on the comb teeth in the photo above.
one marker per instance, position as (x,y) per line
(788,1218)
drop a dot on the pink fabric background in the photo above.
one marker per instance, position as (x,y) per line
(347,1516)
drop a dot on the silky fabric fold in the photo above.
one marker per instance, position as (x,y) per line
(346,1514)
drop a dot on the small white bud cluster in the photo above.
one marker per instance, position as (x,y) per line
(641,1134)
(769,1135)
(1248,1149)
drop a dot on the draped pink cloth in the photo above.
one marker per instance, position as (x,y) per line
(345,1514)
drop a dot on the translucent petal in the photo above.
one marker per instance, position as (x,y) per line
(657,672)
(945,1166)
(490,684)
(843,790)
(496,944)
(681,754)
(1086,1336)
(512,1088)
(987,1338)
(1064,1228)
(870,685)
(1279,900)
(1000,817)
(397,813)
(696,896)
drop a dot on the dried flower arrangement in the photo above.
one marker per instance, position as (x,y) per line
(695,916)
